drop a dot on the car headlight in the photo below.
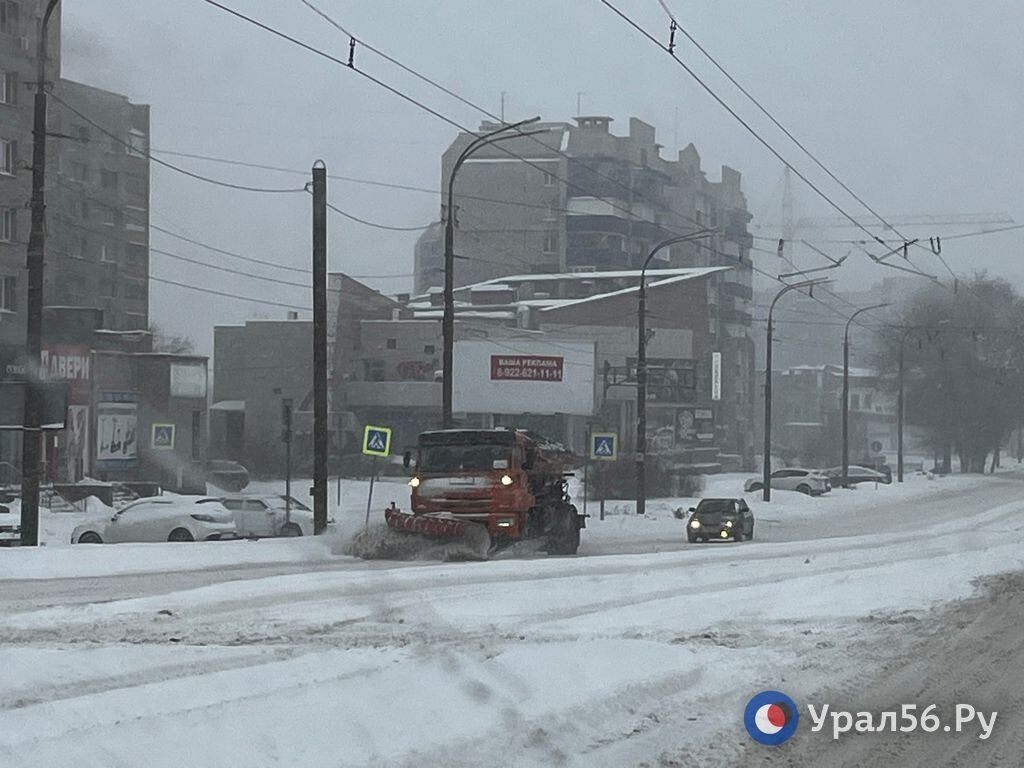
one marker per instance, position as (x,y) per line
(204,518)
(695,523)
(506,480)
(728,523)
(506,523)
(414,483)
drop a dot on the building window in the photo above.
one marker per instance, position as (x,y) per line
(8,153)
(9,21)
(7,225)
(108,252)
(135,183)
(136,253)
(551,241)
(8,293)
(136,143)
(108,179)
(867,401)
(79,172)
(82,209)
(77,248)
(8,87)
(854,402)
(83,134)
(373,370)
(391,344)
(549,179)
(111,216)
(428,349)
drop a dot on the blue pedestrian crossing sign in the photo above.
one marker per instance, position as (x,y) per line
(604,446)
(377,441)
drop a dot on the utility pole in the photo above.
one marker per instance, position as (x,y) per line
(319,347)
(448,318)
(641,368)
(766,469)
(846,389)
(31,436)
(286,436)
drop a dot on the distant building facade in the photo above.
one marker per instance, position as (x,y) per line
(97,185)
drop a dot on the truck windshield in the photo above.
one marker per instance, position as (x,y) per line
(463,458)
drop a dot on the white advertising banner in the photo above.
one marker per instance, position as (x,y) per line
(188,380)
(519,376)
(116,426)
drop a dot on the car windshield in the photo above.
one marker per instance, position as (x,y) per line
(717,507)
(464,458)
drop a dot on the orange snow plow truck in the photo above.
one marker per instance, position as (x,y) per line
(495,486)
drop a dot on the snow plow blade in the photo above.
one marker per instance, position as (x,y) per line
(420,537)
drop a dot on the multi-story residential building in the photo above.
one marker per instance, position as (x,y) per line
(97,184)
(98,205)
(576,198)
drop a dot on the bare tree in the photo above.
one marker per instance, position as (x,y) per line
(171,344)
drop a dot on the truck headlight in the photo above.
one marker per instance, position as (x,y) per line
(506,480)
(695,523)
(728,523)
(414,483)
(506,523)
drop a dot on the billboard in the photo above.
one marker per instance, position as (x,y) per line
(517,376)
(188,380)
(117,444)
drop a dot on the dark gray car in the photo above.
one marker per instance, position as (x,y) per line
(720,519)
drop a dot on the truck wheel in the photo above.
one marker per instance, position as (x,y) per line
(565,529)
(738,536)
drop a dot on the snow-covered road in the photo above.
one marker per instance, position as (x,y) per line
(644,651)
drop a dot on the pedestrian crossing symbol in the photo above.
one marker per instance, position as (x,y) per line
(604,446)
(377,441)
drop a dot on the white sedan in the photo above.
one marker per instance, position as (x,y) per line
(267,515)
(161,518)
(807,481)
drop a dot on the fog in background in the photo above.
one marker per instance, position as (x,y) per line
(915,105)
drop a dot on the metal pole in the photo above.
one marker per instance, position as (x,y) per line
(448,316)
(641,367)
(319,347)
(31,436)
(899,417)
(369,495)
(766,468)
(586,469)
(286,413)
(846,390)
(641,403)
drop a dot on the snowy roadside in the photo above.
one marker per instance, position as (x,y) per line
(587,661)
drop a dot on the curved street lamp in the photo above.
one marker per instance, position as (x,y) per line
(846,389)
(766,470)
(641,365)
(448,319)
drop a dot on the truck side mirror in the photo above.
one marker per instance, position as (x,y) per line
(407,459)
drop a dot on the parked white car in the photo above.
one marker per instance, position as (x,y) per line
(161,518)
(265,515)
(809,481)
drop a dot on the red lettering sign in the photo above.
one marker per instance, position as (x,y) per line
(526,368)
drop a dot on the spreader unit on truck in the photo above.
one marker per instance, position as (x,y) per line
(492,487)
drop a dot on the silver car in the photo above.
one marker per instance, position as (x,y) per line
(257,516)
(809,481)
(161,518)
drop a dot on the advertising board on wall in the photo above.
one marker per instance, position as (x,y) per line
(519,376)
(117,444)
(188,380)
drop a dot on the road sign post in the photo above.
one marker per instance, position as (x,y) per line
(603,446)
(376,443)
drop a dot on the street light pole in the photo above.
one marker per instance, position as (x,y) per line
(641,366)
(846,388)
(31,444)
(448,318)
(766,468)
(900,406)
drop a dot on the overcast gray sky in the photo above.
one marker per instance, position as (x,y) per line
(915,105)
